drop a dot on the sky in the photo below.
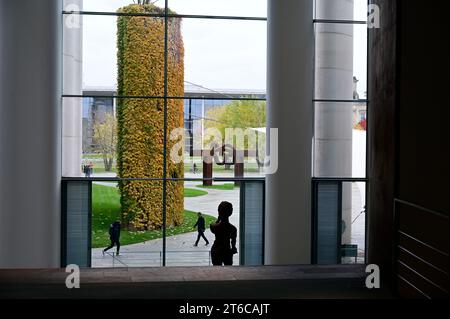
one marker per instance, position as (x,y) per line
(219,54)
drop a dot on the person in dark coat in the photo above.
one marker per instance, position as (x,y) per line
(86,171)
(224,246)
(200,224)
(114,236)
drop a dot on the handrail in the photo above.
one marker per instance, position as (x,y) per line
(421,208)
(445,273)
(423,243)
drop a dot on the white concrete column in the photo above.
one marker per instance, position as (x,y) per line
(334,81)
(30,133)
(289,96)
(72,107)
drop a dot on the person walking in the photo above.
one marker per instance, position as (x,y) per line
(114,236)
(91,168)
(224,246)
(86,171)
(200,224)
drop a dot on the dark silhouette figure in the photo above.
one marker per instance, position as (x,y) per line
(114,235)
(224,246)
(88,169)
(200,224)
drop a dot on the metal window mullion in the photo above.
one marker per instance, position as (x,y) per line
(147,97)
(164,199)
(164,15)
(365,101)
(337,21)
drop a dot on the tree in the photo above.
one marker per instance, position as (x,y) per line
(245,115)
(105,140)
(237,114)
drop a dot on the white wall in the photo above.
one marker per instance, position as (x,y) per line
(289,98)
(30,133)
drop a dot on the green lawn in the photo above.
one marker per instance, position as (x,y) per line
(191,192)
(92,156)
(106,209)
(248,168)
(226,186)
(100,168)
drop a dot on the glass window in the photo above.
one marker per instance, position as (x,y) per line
(340,61)
(220,56)
(114,123)
(91,137)
(102,5)
(247,8)
(353,226)
(339,140)
(353,10)
(138,207)
(236,8)
(93,64)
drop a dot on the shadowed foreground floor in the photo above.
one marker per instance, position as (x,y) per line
(193,282)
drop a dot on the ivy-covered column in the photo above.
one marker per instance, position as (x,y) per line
(141,120)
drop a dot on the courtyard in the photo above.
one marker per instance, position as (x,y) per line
(180,250)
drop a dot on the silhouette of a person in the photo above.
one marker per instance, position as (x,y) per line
(86,171)
(224,246)
(200,224)
(114,236)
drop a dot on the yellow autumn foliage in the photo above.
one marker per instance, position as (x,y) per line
(140,62)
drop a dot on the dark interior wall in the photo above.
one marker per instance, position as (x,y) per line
(422,132)
(409,144)
(381,137)
(424,105)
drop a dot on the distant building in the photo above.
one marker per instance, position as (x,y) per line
(95,107)
(198,102)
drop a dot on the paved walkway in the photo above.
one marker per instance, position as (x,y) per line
(179,249)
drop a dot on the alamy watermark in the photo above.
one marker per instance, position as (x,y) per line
(230,148)
(72,20)
(373,277)
(73,279)
(373,16)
